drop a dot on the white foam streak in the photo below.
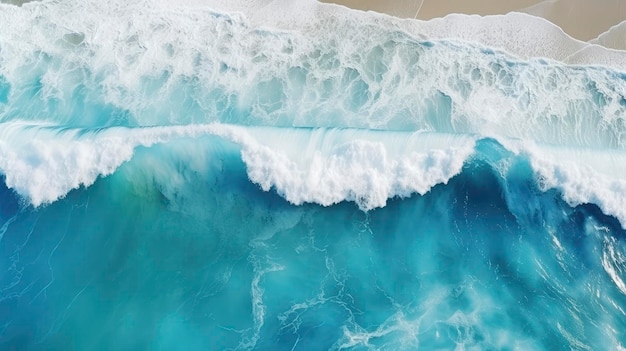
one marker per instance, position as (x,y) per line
(357,337)
(614,38)
(614,263)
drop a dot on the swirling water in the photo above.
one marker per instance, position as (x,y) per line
(180,178)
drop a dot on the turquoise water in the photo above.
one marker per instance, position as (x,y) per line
(208,185)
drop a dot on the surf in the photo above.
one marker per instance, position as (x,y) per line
(214,175)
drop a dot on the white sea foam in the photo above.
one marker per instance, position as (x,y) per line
(521,34)
(320,166)
(330,166)
(44,164)
(614,263)
(325,66)
(581,175)
(158,64)
(323,166)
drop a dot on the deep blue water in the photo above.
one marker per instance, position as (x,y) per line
(191,182)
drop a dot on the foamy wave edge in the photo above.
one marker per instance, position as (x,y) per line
(323,166)
(520,34)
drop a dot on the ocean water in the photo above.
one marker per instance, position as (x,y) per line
(189,178)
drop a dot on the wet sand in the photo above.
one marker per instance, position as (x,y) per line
(581,19)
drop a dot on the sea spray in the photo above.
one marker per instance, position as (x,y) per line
(204,177)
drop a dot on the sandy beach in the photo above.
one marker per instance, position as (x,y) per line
(581,19)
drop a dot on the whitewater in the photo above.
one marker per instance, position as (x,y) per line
(291,175)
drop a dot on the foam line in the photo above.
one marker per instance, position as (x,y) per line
(581,175)
(221,67)
(88,64)
(331,166)
(613,38)
(322,166)
(521,34)
(304,165)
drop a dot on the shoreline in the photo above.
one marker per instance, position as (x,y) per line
(580,19)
